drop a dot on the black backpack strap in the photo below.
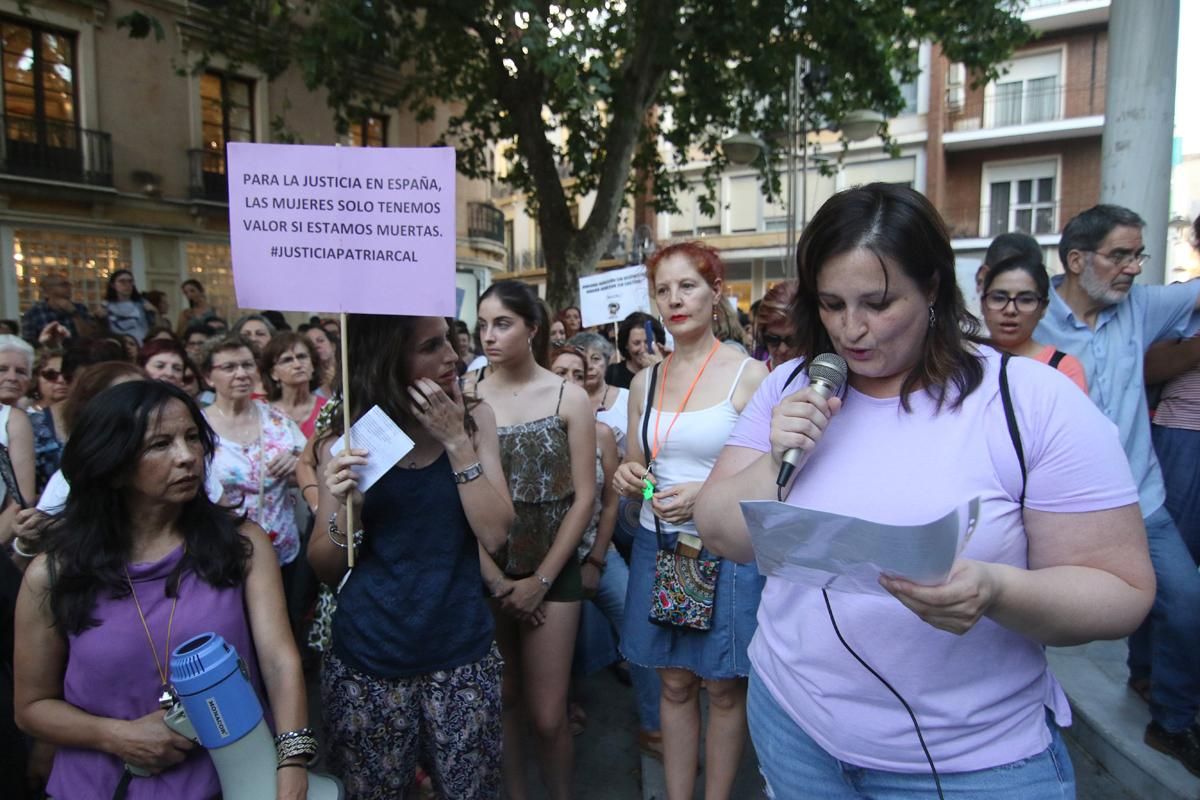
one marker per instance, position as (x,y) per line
(794,374)
(1057,358)
(1010,417)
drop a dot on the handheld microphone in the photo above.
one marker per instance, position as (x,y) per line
(826,375)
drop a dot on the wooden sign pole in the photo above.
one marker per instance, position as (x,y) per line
(345,348)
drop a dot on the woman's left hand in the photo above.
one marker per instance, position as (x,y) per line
(675,505)
(525,600)
(291,783)
(442,415)
(956,605)
(283,464)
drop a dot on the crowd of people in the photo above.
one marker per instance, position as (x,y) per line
(571,503)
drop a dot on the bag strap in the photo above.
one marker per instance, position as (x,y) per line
(1057,358)
(1010,417)
(646,435)
(795,373)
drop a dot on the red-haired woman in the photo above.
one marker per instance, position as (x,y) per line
(164,360)
(675,435)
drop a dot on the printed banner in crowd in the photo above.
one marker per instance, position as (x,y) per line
(613,295)
(357,229)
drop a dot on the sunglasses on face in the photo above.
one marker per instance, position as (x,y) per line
(772,341)
(52,375)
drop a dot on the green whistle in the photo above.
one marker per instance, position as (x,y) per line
(647,489)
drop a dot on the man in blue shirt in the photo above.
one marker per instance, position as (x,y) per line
(1099,315)
(56,305)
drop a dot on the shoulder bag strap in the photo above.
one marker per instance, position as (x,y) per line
(1010,417)
(646,436)
(1057,358)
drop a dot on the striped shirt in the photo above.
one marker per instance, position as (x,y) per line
(1179,403)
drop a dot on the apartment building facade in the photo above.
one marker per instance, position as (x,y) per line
(113,154)
(1019,153)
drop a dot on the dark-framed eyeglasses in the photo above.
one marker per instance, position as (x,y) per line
(1025,302)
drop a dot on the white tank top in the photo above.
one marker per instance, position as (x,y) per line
(691,450)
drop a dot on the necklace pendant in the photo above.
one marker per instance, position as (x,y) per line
(165,698)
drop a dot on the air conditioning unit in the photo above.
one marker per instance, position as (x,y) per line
(956,87)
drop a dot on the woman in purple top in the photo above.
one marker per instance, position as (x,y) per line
(139,561)
(1058,555)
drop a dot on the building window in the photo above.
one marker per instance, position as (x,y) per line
(226,110)
(212,265)
(1030,91)
(39,84)
(1021,198)
(86,260)
(691,220)
(371,131)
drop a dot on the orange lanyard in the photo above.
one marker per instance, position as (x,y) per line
(662,393)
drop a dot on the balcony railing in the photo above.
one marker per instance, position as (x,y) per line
(1011,104)
(36,147)
(485,221)
(206,176)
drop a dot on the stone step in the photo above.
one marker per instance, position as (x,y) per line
(1110,721)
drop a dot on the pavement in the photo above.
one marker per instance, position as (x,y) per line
(1111,762)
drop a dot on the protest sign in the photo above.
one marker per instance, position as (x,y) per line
(612,296)
(352,229)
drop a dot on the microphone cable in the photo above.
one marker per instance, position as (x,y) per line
(916,725)
(911,714)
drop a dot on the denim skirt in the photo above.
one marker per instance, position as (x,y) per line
(716,654)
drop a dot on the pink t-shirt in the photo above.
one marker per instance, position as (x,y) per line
(1069,365)
(980,697)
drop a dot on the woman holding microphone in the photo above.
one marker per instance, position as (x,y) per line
(917,689)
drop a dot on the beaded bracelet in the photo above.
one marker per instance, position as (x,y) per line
(296,744)
(335,533)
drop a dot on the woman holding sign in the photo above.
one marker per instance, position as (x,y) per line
(680,413)
(414,671)
(546,426)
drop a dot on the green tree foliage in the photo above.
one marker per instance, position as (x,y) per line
(618,79)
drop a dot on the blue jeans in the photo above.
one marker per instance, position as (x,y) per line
(794,766)
(1166,648)
(1179,456)
(610,599)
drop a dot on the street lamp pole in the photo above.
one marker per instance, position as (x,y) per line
(797,141)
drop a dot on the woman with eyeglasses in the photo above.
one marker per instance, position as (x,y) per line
(49,432)
(257,447)
(1016,291)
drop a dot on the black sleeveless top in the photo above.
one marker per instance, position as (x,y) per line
(414,602)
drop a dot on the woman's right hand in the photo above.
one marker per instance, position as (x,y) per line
(650,357)
(148,743)
(340,478)
(799,421)
(630,480)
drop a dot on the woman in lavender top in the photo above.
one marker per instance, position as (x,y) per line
(1058,556)
(140,561)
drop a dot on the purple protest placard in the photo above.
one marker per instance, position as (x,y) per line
(357,229)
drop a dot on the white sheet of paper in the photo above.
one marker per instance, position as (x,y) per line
(376,433)
(831,551)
